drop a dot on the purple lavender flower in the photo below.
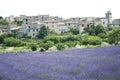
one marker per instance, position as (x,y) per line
(77,64)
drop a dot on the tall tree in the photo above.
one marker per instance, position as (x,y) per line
(1,17)
(95,30)
(99,29)
(74,31)
(4,22)
(90,30)
(2,38)
(42,33)
(114,36)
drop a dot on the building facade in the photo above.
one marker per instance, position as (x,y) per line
(31,24)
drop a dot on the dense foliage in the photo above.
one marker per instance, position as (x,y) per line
(60,46)
(34,47)
(19,23)
(1,17)
(114,36)
(95,30)
(92,40)
(92,36)
(74,31)
(42,33)
(100,29)
(46,45)
(78,64)
(13,42)
(2,37)
(4,22)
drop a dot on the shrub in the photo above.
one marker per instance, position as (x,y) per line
(102,35)
(13,42)
(47,45)
(99,29)
(68,44)
(114,36)
(50,43)
(92,40)
(33,47)
(2,37)
(42,33)
(53,38)
(62,39)
(60,46)
(4,22)
(71,38)
(72,44)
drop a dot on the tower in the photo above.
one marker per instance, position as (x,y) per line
(108,16)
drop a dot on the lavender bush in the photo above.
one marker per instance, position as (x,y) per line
(77,64)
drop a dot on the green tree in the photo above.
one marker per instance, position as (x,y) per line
(4,22)
(90,30)
(33,46)
(1,17)
(74,31)
(42,33)
(95,30)
(15,33)
(2,38)
(46,45)
(99,29)
(53,38)
(92,40)
(114,36)
(19,23)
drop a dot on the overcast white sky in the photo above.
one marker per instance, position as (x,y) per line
(61,8)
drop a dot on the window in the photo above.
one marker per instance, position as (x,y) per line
(37,30)
(29,30)
(26,21)
(73,19)
(28,26)
(69,24)
(33,30)
(33,34)
(103,22)
(88,25)
(82,25)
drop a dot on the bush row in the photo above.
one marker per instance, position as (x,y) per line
(59,41)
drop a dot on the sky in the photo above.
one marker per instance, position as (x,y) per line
(61,8)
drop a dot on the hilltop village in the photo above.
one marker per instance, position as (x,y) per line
(30,25)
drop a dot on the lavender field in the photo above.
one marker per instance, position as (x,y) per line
(78,64)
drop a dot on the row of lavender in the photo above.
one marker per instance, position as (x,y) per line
(78,64)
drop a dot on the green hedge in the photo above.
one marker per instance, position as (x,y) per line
(13,42)
(47,44)
(60,46)
(92,40)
